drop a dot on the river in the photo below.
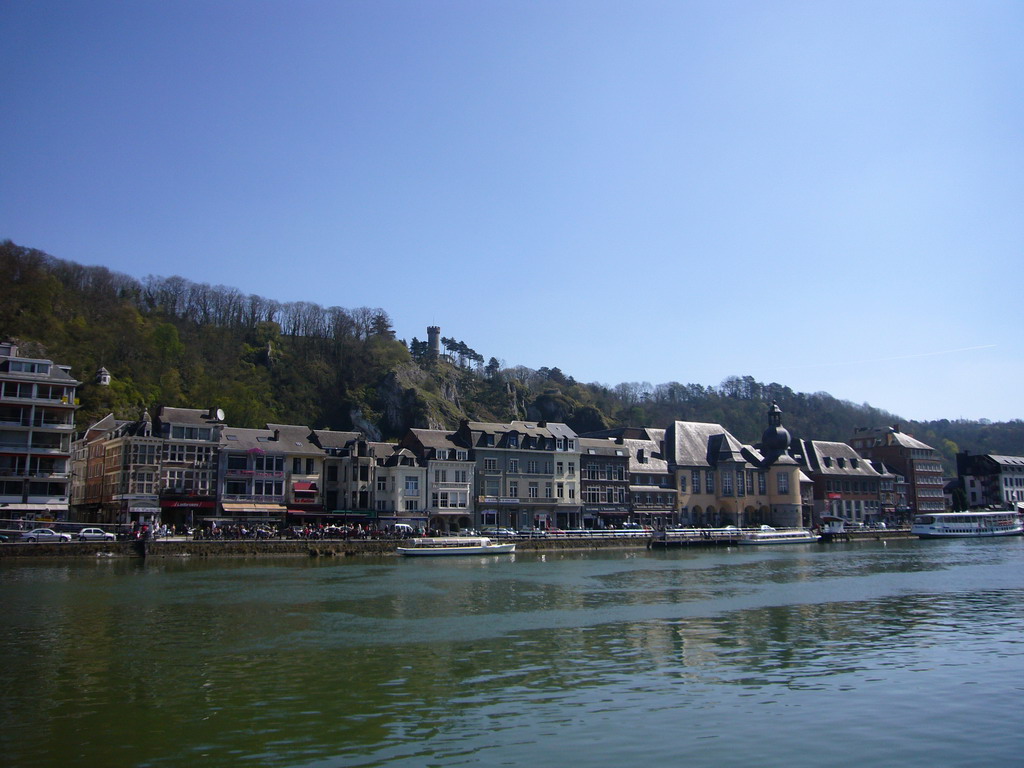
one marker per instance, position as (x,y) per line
(852,654)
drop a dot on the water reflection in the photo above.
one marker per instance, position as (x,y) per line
(487,661)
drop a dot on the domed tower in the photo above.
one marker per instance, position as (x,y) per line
(775,439)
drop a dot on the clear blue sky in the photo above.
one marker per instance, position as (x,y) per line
(824,194)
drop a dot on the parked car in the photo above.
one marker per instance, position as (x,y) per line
(498,533)
(95,534)
(45,534)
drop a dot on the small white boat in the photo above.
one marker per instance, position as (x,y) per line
(961,525)
(454,545)
(769,535)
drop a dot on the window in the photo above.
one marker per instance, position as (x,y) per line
(236,461)
(461,476)
(440,475)
(783,482)
(741,484)
(268,487)
(682,483)
(560,490)
(762,484)
(533,491)
(382,483)
(709,482)
(531,467)
(547,490)
(461,455)
(727,483)
(695,480)
(559,468)
(490,465)
(310,467)
(513,489)
(412,485)
(512,441)
(513,466)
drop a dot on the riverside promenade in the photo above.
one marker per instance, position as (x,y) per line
(188,547)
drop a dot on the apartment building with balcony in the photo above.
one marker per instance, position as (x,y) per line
(650,495)
(400,492)
(252,478)
(916,461)
(992,480)
(191,440)
(604,481)
(449,477)
(336,447)
(117,472)
(37,423)
(304,467)
(373,483)
(526,474)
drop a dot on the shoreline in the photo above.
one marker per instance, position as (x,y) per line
(204,548)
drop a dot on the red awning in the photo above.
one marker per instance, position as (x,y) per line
(303,486)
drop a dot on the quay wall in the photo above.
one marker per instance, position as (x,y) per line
(328,547)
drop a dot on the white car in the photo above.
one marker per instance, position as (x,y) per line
(95,534)
(45,534)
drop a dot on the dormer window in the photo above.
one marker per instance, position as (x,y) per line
(512,441)
(841,462)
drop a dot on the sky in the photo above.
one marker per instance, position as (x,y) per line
(827,195)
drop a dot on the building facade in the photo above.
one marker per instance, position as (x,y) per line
(188,468)
(723,482)
(845,485)
(449,476)
(917,462)
(991,480)
(37,424)
(604,482)
(526,474)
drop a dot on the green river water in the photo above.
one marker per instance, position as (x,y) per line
(867,653)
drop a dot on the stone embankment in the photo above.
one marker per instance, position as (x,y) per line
(315,548)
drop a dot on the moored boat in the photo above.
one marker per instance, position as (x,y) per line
(960,525)
(454,545)
(769,535)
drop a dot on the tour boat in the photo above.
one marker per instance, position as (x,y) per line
(454,545)
(769,535)
(949,525)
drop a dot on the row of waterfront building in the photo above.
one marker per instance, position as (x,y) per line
(184,466)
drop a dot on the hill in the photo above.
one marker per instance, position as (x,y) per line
(169,341)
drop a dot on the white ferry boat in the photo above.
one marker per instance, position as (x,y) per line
(768,535)
(454,545)
(945,525)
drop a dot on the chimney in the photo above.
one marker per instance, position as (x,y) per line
(277,435)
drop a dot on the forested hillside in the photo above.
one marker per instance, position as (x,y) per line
(169,341)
